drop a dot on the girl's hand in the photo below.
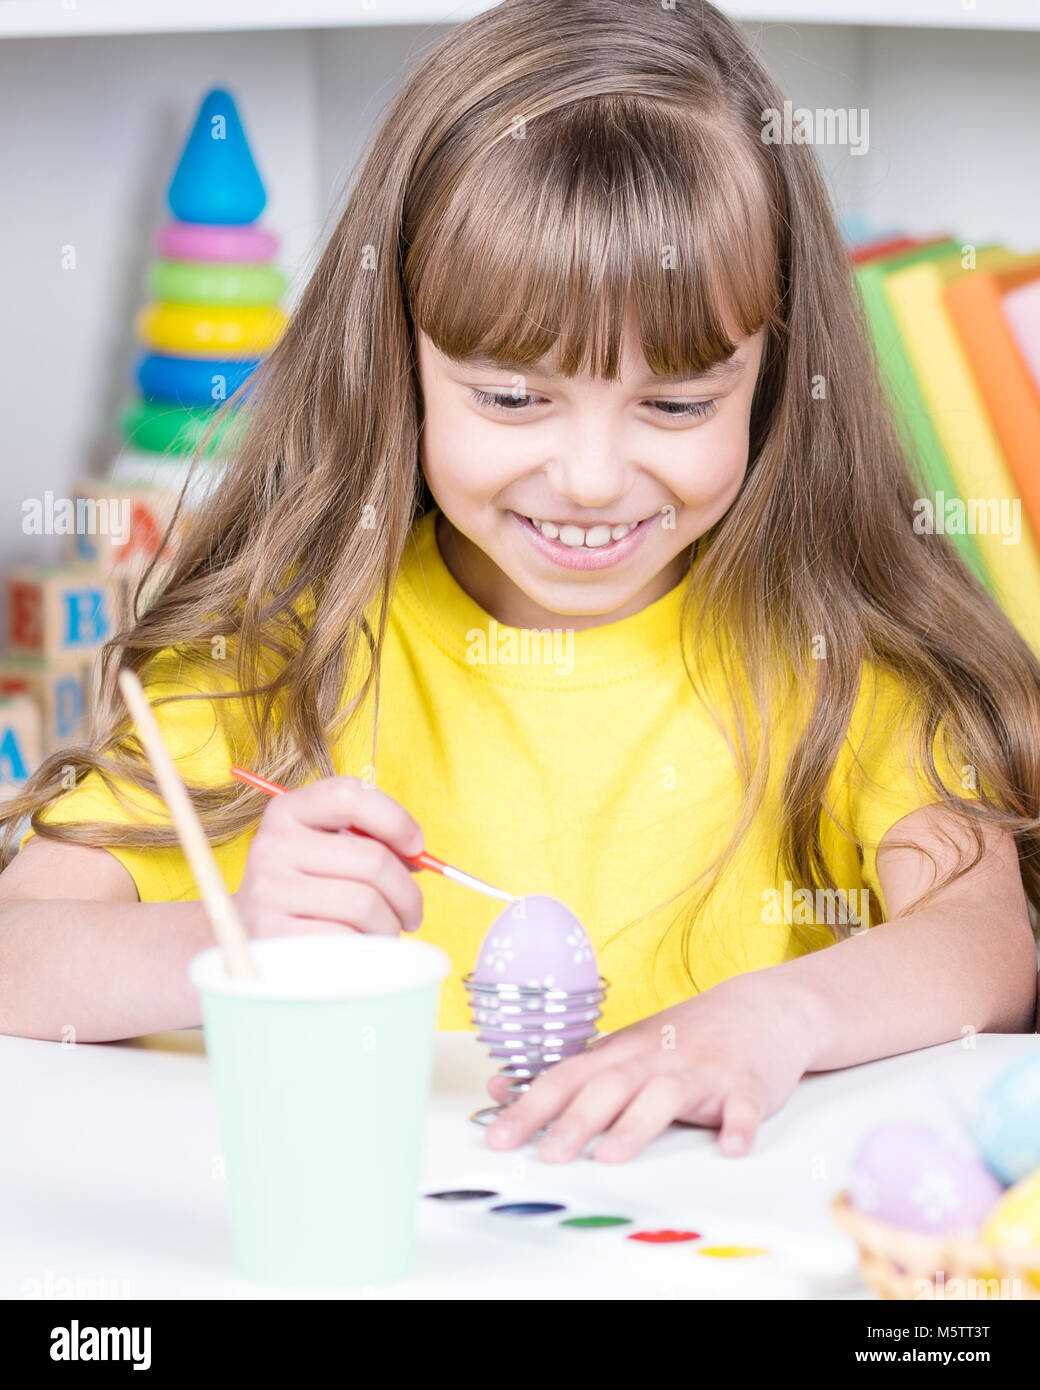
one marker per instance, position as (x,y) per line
(727,1058)
(300,877)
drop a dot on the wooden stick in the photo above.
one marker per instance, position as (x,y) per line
(220,908)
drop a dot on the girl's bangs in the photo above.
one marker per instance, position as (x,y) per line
(551,239)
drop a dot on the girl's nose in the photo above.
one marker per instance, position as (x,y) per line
(590,469)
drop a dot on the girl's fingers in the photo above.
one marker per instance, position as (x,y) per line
(340,902)
(350,856)
(348,803)
(304,926)
(598,1103)
(549,1093)
(647,1116)
(604,1051)
(742,1113)
(704,1098)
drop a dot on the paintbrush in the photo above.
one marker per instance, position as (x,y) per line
(414,861)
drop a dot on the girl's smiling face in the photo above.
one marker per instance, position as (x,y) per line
(500,447)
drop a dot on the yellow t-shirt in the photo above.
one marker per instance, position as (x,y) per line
(587,770)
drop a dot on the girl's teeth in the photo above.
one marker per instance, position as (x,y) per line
(576,536)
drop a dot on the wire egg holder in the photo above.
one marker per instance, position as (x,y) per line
(530,1028)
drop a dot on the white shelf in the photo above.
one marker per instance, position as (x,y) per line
(58,18)
(50,18)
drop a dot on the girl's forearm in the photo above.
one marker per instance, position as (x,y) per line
(98,971)
(917,981)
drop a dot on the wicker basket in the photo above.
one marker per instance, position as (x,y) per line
(894,1262)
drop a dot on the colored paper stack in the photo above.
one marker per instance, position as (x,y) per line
(957,331)
(215,293)
(213,315)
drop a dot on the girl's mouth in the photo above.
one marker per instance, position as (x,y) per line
(584,557)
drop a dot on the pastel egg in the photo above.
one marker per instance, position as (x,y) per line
(914,1177)
(1006,1125)
(1015,1220)
(537,942)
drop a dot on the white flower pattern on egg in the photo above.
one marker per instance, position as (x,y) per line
(500,953)
(579,942)
(918,1178)
(542,947)
(935,1195)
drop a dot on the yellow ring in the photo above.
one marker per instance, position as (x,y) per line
(204,330)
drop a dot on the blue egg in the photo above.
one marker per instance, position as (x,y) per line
(1006,1126)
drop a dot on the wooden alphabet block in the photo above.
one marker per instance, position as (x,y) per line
(58,611)
(60,693)
(20,742)
(122,525)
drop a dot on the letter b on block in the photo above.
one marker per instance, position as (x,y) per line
(56,612)
(84,620)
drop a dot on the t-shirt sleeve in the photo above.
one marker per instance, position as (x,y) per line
(205,737)
(879,777)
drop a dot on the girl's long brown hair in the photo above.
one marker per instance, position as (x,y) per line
(550,165)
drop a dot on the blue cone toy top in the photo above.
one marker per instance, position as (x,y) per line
(216,179)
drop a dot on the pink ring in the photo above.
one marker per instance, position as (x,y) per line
(210,241)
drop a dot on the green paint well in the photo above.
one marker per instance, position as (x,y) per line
(591,1222)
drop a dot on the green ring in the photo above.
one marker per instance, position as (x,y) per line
(161,427)
(211,282)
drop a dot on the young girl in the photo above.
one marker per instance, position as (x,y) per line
(571,491)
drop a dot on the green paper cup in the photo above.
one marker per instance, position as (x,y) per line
(322,1071)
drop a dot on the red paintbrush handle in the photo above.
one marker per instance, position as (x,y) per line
(420,861)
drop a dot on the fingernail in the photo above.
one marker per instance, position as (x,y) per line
(502,1129)
(732,1144)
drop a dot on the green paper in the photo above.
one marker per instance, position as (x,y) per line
(911,411)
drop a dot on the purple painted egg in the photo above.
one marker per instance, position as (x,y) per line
(535,1036)
(912,1176)
(537,942)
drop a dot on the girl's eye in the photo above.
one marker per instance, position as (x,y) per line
(684,410)
(505,400)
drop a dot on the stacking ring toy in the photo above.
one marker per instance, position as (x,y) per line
(215,282)
(202,330)
(192,380)
(213,241)
(160,427)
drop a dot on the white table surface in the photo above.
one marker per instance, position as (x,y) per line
(110,1183)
